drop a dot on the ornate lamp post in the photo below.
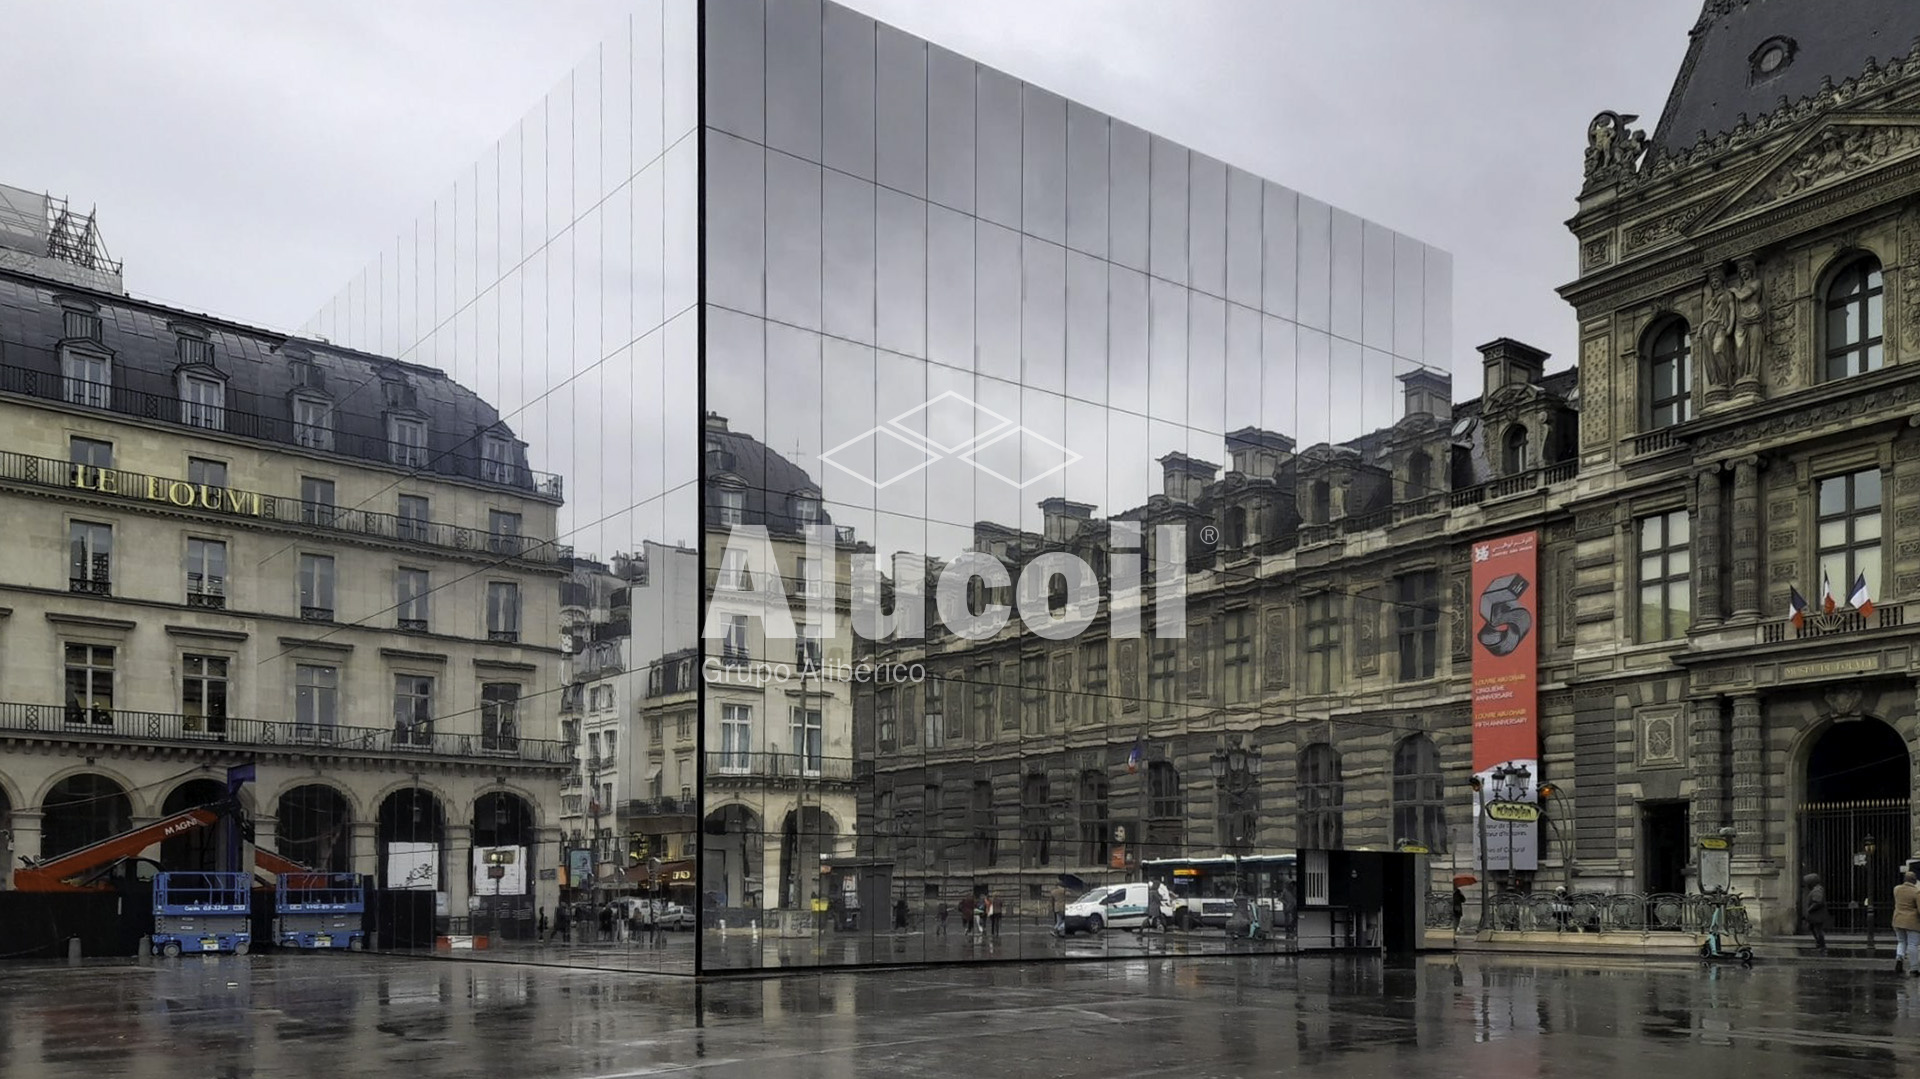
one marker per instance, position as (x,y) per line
(1236,772)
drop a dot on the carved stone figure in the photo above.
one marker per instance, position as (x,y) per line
(1749,325)
(1716,331)
(1613,149)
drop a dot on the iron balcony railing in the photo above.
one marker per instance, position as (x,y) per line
(124,725)
(1843,620)
(254,416)
(657,807)
(52,473)
(724,764)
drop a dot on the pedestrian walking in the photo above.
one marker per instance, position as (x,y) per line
(941,917)
(562,924)
(993,916)
(900,913)
(1813,909)
(541,929)
(966,916)
(1906,925)
(606,922)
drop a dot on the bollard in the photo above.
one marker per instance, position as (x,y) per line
(73,949)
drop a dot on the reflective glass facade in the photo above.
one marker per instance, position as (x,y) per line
(872,326)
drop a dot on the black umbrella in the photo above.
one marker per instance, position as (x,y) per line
(1072,883)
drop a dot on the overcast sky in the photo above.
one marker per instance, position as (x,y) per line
(247,159)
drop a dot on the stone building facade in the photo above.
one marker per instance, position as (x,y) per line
(231,546)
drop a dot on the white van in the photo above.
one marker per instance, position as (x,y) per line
(1114,906)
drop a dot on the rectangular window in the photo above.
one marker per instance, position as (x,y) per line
(1236,656)
(412,710)
(413,518)
(316,701)
(410,592)
(806,647)
(90,558)
(1163,674)
(934,718)
(733,648)
(504,532)
(1666,561)
(1033,693)
(1092,699)
(733,570)
(407,440)
(496,460)
(500,718)
(202,470)
(90,451)
(1322,643)
(312,423)
(203,402)
(683,727)
(83,325)
(316,501)
(806,740)
(90,684)
(983,702)
(86,379)
(887,718)
(316,587)
(206,573)
(203,693)
(1850,532)
(736,739)
(503,612)
(807,571)
(733,507)
(1417,623)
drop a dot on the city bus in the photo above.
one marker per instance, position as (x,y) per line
(1204,888)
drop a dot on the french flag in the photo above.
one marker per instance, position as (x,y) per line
(1133,758)
(1860,600)
(1796,607)
(1826,592)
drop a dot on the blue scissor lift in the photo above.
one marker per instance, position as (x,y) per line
(201,912)
(320,910)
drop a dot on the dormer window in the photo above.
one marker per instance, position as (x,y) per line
(86,378)
(395,393)
(407,441)
(203,397)
(1322,502)
(1419,475)
(806,509)
(1519,454)
(733,507)
(496,460)
(195,350)
(313,423)
(81,326)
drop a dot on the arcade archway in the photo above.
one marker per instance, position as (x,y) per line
(412,836)
(734,849)
(314,827)
(197,850)
(808,833)
(82,809)
(1858,789)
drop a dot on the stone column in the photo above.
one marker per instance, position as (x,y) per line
(1749,779)
(1746,538)
(458,857)
(364,853)
(1709,601)
(1706,751)
(265,833)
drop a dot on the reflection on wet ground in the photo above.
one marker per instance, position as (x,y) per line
(381,1015)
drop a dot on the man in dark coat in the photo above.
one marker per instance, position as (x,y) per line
(1813,909)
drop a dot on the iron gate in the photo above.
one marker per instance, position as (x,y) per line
(1832,833)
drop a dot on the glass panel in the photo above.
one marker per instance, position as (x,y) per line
(1167,210)
(1207,226)
(1833,495)
(1043,315)
(1680,561)
(1377,299)
(1128,191)
(847,114)
(735,244)
(950,270)
(950,129)
(793,240)
(1348,287)
(1866,489)
(1087,356)
(1315,264)
(1866,527)
(1127,341)
(997,96)
(900,96)
(1087,180)
(996,325)
(793,77)
(1044,165)
(1679,528)
(847,257)
(1650,534)
(900,248)
(1167,391)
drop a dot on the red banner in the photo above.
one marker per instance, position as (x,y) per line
(1506,654)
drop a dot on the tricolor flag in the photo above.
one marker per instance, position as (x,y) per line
(1139,752)
(1796,607)
(1860,600)
(1826,592)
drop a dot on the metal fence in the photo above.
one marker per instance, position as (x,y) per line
(1595,912)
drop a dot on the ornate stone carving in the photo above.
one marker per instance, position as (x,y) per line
(1908,517)
(1908,583)
(1596,415)
(1782,541)
(1127,655)
(1366,648)
(1659,741)
(1594,252)
(1062,683)
(1749,326)
(1750,778)
(1613,148)
(1716,334)
(1909,309)
(1457,593)
(1910,548)
(1834,412)
(1832,154)
(1783,572)
(1706,750)
(1654,230)
(1782,325)
(1276,661)
(1709,600)
(1746,537)
(1907,483)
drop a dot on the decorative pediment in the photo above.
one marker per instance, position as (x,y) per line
(1512,398)
(1823,157)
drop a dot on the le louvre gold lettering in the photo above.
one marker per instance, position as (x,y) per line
(178,493)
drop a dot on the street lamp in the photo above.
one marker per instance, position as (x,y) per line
(1866,891)
(1236,772)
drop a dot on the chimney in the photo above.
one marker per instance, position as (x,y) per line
(1429,393)
(716,422)
(1186,477)
(1258,453)
(1063,518)
(1510,363)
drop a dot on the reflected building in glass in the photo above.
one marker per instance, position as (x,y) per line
(1023,450)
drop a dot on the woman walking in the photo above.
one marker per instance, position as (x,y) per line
(1906,925)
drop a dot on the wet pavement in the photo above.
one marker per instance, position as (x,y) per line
(369,1015)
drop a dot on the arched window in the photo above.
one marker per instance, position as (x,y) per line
(1419,475)
(1519,455)
(1320,798)
(1668,388)
(1419,797)
(1854,320)
(1237,527)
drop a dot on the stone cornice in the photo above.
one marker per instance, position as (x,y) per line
(315,644)
(1875,397)
(87,621)
(413,657)
(207,634)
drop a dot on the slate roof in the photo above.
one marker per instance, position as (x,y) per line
(258,367)
(768,479)
(1829,39)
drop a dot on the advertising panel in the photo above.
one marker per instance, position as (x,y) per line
(499,871)
(413,866)
(1506,672)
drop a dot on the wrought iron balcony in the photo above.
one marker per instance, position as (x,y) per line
(723,764)
(232,732)
(54,474)
(269,419)
(1843,620)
